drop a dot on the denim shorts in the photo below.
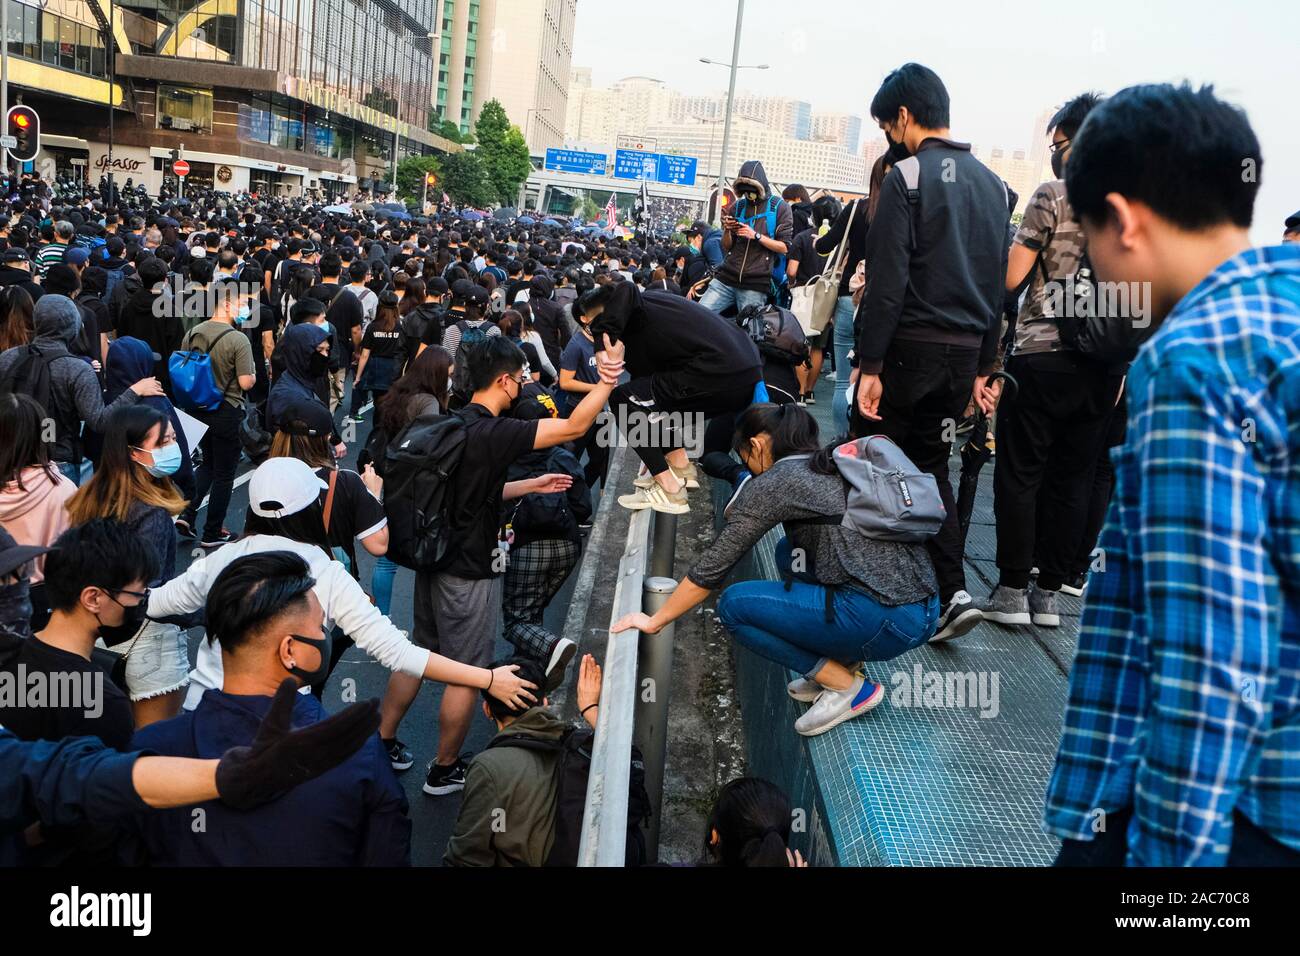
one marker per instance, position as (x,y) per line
(157,662)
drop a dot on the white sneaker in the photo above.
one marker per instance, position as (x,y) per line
(656,498)
(804,690)
(688,476)
(833,707)
(556,667)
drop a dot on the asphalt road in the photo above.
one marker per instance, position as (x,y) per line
(432,817)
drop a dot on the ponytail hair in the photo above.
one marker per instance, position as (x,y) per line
(752,819)
(791,429)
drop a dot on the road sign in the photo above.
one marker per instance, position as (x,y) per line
(636,164)
(9,142)
(677,170)
(576,161)
(646,143)
(181,168)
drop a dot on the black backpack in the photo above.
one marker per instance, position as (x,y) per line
(572,768)
(419,465)
(30,376)
(776,332)
(1088,328)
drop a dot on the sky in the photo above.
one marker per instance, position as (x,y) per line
(1003,63)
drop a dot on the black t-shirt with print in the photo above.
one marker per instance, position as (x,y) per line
(492,445)
(355,513)
(384,344)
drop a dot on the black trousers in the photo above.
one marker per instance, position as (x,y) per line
(926,388)
(1250,846)
(646,409)
(221,451)
(1050,434)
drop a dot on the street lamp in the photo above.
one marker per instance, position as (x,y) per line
(733,66)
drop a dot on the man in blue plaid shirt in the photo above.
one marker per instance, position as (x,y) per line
(1181,743)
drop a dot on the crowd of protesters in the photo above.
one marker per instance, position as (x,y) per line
(1143,454)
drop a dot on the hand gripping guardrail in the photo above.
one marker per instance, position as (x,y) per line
(634,697)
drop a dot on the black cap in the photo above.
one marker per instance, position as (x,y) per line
(683,252)
(477,295)
(16,254)
(698,228)
(303,416)
(14,555)
(437,286)
(1293,221)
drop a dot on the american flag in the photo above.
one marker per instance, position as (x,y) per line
(611,212)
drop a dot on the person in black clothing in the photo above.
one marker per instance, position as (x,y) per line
(930,316)
(683,359)
(17,270)
(382,355)
(548,318)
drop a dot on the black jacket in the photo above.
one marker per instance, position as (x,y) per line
(11,276)
(944,285)
(668,334)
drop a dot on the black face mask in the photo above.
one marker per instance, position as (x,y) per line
(897,152)
(133,618)
(1058,164)
(318,364)
(324,645)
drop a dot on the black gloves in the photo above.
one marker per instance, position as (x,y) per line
(280,759)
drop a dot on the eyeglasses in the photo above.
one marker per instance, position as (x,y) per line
(1057,147)
(140,596)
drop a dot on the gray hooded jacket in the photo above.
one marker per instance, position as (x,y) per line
(75,390)
(748,263)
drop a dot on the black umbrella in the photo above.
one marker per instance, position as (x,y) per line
(975,454)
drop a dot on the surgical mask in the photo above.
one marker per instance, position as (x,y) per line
(324,645)
(275,246)
(326,327)
(245,313)
(133,619)
(166,460)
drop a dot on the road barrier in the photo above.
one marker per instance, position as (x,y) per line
(634,697)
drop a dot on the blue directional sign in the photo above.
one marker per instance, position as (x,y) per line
(576,161)
(677,170)
(636,164)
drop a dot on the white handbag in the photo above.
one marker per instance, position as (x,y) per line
(813,303)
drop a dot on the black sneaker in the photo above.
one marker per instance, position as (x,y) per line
(810,399)
(184,528)
(444,780)
(399,755)
(215,542)
(959,617)
(556,667)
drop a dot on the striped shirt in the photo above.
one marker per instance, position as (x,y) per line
(1184,696)
(49,255)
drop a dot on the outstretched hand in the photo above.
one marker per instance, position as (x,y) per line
(280,759)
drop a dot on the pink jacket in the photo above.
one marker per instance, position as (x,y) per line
(32,509)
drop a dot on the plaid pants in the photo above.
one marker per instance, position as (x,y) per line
(534,575)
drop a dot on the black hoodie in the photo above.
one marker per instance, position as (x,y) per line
(667,334)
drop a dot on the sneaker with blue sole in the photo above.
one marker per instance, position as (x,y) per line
(834,707)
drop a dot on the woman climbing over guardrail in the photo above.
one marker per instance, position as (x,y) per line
(855,589)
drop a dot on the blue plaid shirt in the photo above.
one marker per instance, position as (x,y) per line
(1185,692)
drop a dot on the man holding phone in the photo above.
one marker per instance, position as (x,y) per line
(752,240)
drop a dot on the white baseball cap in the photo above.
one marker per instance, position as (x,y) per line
(283,486)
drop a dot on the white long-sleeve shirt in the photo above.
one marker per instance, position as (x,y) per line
(345,605)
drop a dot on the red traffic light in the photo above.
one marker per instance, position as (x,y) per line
(22,121)
(23,125)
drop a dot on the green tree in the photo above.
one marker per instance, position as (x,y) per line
(465,179)
(410,176)
(448,130)
(503,152)
(588,209)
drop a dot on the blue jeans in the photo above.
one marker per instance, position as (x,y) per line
(842,342)
(381,584)
(70,471)
(718,296)
(790,626)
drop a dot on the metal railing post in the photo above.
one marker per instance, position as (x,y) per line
(663,549)
(654,681)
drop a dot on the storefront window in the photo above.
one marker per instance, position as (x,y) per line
(184,108)
(67,44)
(255,120)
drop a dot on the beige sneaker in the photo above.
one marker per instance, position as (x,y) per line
(688,476)
(658,499)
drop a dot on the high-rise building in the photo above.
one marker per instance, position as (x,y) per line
(278,96)
(1015,167)
(1039,156)
(842,128)
(526,63)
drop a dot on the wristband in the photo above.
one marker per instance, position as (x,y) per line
(492,675)
(583,712)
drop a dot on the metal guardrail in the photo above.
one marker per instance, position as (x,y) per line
(632,711)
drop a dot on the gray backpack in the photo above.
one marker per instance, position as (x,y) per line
(889,498)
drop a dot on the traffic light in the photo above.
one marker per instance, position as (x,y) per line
(25,127)
(720,202)
(431,179)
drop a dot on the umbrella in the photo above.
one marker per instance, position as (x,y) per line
(342,209)
(550,222)
(506,212)
(526,220)
(974,455)
(471,215)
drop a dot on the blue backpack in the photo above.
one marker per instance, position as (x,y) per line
(95,245)
(471,335)
(779,278)
(194,387)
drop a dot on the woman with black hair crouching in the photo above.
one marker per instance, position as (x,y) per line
(750,826)
(845,597)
